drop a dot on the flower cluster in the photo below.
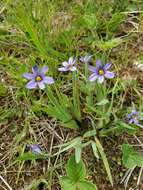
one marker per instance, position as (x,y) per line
(134,118)
(39,79)
(99,73)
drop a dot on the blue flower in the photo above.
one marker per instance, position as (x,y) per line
(68,65)
(35,148)
(38,78)
(100,72)
(86,59)
(134,118)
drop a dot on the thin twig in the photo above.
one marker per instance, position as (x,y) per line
(3,187)
(139,178)
(5,182)
(51,148)
(126,174)
(132,12)
(128,177)
(138,140)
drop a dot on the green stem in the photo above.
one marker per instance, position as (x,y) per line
(76,100)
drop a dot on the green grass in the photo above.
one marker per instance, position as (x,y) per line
(48,32)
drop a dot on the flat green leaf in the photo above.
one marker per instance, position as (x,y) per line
(57,105)
(72,124)
(85,185)
(67,183)
(103,102)
(71,144)
(54,112)
(89,133)
(78,151)
(58,109)
(87,88)
(30,156)
(105,161)
(75,179)
(90,21)
(76,172)
(105,45)
(131,158)
(75,140)
(94,148)
(125,125)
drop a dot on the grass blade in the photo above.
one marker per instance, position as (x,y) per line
(105,161)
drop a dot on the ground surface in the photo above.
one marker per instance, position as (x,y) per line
(47,32)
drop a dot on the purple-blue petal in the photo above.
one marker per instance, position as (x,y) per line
(92,77)
(98,64)
(63,69)
(31,85)
(131,121)
(82,59)
(109,74)
(71,61)
(107,66)
(134,112)
(134,118)
(129,116)
(41,84)
(48,80)
(35,148)
(65,63)
(86,59)
(42,75)
(100,78)
(35,69)
(134,121)
(44,69)
(73,68)
(93,69)
(28,75)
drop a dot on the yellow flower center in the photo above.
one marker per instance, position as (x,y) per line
(38,78)
(101,72)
